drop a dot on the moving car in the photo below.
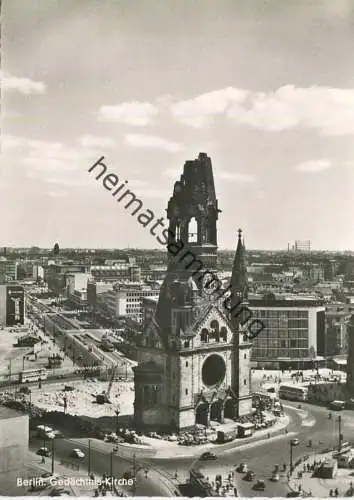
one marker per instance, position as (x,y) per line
(249,476)
(295,441)
(77,453)
(43,452)
(275,477)
(242,468)
(208,455)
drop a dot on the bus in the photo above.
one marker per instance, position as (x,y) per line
(33,375)
(293,393)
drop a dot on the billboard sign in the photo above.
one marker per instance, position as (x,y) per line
(15,305)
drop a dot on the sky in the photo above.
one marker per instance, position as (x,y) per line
(264,87)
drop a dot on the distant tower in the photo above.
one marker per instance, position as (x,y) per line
(5,251)
(56,251)
(242,346)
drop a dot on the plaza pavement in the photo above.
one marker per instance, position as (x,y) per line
(319,487)
(166,449)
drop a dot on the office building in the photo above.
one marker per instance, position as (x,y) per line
(294,331)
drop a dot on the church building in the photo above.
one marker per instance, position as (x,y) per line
(194,356)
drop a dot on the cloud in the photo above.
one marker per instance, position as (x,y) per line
(152,142)
(22,85)
(11,141)
(92,141)
(313,166)
(172,173)
(139,114)
(329,111)
(153,193)
(58,194)
(236,177)
(200,111)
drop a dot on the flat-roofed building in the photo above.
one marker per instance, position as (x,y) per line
(294,331)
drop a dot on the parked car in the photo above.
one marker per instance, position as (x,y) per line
(129,474)
(249,476)
(77,453)
(275,477)
(260,485)
(295,441)
(242,468)
(59,492)
(58,434)
(208,455)
(43,452)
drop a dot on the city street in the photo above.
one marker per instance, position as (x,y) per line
(100,463)
(324,434)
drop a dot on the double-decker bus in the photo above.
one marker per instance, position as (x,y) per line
(293,393)
(33,375)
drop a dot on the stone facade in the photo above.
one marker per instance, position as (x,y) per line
(193,358)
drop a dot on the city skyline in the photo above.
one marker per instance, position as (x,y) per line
(266,93)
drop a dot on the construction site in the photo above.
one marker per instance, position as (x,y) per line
(91,397)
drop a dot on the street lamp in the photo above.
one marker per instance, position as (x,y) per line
(293,442)
(340,435)
(117,412)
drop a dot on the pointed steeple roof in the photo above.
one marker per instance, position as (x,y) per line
(239,281)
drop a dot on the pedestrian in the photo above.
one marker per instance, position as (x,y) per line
(331,493)
(336,492)
(43,460)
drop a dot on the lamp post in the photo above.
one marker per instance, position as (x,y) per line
(111,471)
(117,412)
(293,442)
(89,457)
(53,451)
(340,435)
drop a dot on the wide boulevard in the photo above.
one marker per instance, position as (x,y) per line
(260,456)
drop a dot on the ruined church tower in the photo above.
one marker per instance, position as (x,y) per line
(193,363)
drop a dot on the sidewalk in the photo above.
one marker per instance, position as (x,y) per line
(317,486)
(78,489)
(167,449)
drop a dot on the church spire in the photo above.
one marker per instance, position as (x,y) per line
(239,281)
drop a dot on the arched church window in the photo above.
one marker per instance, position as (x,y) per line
(204,335)
(215,332)
(193,231)
(186,343)
(223,333)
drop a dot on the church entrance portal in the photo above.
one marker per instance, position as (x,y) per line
(202,414)
(216,411)
(229,409)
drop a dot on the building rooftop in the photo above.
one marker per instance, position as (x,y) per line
(6,413)
(286,303)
